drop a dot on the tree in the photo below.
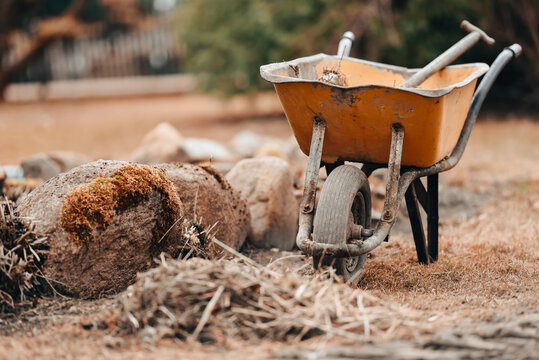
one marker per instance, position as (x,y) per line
(227,41)
(44,21)
(12,13)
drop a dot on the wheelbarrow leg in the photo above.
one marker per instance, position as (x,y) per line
(432,216)
(429,201)
(311,180)
(417,226)
(313,168)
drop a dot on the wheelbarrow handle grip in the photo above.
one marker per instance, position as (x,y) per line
(450,55)
(466,25)
(483,89)
(516,49)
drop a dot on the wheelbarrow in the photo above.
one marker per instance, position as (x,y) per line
(413,132)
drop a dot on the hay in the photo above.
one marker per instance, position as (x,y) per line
(15,190)
(216,301)
(196,239)
(22,252)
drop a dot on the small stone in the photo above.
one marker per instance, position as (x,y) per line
(205,149)
(40,166)
(68,160)
(148,334)
(271,149)
(162,144)
(293,152)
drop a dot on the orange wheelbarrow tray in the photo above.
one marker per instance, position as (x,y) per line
(359,114)
(414,132)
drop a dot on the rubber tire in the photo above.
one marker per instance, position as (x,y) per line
(346,195)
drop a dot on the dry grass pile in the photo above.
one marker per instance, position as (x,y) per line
(216,301)
(15,190)
(22,252)
(198,240)
(490,261)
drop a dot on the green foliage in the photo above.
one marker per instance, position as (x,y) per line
(226,41)
(426,28)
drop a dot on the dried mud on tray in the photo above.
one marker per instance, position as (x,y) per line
(220,300)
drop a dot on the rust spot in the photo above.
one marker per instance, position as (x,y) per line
(345,97)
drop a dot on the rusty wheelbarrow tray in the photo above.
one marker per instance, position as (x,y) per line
(415,133)
(359,115)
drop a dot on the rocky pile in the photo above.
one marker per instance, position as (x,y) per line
(108,220)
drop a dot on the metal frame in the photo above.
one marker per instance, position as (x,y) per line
(398,184)
(427,248)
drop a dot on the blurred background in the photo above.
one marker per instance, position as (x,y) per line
(94,77)
(223,43)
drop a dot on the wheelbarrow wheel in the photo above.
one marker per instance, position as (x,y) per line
(345,201)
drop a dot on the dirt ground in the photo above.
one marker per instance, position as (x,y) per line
(112,128)
(480,300)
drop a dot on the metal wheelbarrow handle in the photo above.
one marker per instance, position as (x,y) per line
(479,97)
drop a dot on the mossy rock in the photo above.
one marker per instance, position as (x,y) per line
(94,205)
(106,221)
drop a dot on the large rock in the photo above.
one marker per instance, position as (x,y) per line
(208,199)
(105,221)
(162,144)
(267,183)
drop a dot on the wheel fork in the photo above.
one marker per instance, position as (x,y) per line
(391,205)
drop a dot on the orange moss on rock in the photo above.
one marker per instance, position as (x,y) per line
(92,206)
